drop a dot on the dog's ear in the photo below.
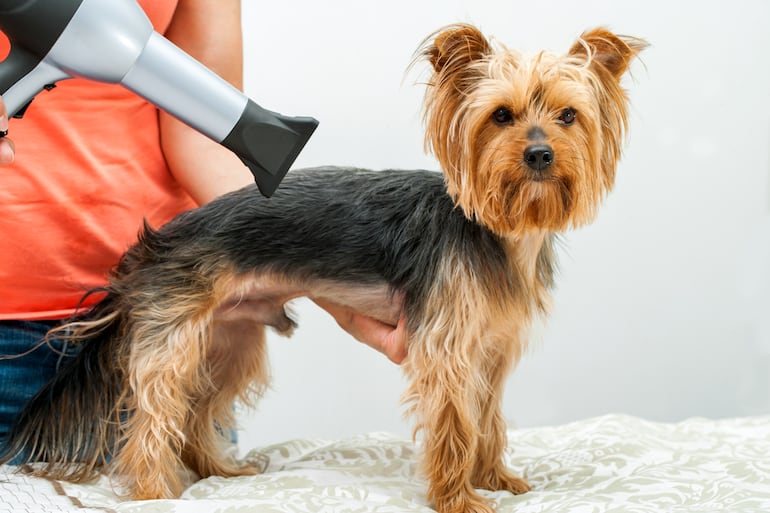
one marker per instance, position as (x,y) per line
(454,47)
(603,48)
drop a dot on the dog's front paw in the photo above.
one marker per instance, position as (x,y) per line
(502,479)
(469,502)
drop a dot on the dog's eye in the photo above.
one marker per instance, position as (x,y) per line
(502,116)
(568,116)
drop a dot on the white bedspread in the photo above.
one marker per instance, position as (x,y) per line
(612,463)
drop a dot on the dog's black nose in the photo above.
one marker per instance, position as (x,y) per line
(538,156)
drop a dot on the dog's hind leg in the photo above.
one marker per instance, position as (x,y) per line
(237,363)
(196,347)
(166,372)
(169,332)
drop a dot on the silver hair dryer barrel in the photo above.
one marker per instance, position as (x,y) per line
(113,41)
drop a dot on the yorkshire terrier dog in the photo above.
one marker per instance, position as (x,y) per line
(528,147)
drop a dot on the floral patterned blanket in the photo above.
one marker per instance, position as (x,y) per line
(613,463)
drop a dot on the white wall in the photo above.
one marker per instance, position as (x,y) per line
(663,305)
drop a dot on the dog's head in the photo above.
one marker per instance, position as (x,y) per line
(527,143)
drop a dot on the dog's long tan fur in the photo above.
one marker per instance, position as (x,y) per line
(528,146)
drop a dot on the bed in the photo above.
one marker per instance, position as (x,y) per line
(613,463)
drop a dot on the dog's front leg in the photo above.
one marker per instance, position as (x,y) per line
(455,402)
(459,354)
(489,471)
(445,404)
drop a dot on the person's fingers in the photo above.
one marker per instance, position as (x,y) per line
(7,149)
(385,338)
(345,318)
(395,341)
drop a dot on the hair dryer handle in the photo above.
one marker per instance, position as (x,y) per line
(22,76)
(268,143)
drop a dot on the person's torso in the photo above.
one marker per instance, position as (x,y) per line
(88,170)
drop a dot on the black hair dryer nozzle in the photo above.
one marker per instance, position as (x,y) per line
(268,143)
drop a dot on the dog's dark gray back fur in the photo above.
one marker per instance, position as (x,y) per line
(340,224)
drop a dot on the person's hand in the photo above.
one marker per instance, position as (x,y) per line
(385,338)
(6,145)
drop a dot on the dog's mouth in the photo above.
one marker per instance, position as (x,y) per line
(540,176)
(537,200)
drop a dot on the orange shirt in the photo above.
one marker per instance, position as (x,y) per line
(88,169)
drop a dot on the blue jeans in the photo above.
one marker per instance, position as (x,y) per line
(22,377)
(25,368)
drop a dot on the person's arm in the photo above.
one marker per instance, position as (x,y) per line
(210,31)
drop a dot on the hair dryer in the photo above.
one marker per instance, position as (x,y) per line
(113,41)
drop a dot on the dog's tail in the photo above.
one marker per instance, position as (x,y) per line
(72,425)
